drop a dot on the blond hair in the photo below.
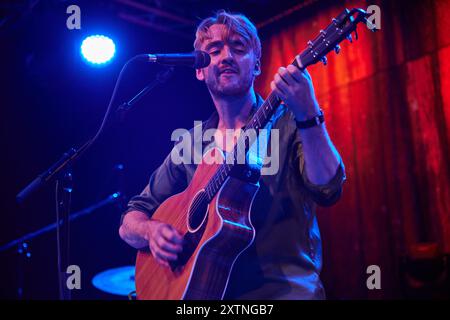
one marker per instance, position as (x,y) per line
(234,23)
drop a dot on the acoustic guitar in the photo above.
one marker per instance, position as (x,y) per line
(213,212)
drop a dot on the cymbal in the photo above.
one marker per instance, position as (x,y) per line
(119,281)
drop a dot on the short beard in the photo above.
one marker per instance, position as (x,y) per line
(240,90)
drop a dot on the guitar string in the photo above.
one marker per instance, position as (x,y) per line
(334,33)
(226,167)
(270,104)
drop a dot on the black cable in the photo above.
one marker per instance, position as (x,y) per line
(81,151)
(108,110)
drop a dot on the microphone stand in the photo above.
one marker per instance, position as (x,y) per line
(61,171)
(22,244)
(161,77)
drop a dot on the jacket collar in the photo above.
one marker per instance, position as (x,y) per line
(213,120)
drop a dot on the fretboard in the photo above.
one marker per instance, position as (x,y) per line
(258,121)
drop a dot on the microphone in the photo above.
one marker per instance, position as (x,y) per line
(197,59)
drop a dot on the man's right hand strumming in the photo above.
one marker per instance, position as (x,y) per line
(164,241)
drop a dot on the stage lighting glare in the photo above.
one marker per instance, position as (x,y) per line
(98,49)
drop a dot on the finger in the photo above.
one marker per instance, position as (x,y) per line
(172,235)
(166,248)
(170,247)
(153,251)
(152,248)
(295,73)
(286,76)
(291,75)
(165,255)
(277,90)
(280,84)
(162,262)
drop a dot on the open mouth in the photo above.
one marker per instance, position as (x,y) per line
(228,71)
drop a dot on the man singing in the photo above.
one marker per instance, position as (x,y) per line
(285,258)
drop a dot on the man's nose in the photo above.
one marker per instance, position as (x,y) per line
(227,54)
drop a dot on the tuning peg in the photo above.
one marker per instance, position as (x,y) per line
(337,49)
(324,60)
(349,38)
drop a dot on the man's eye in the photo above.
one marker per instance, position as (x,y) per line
(214,52)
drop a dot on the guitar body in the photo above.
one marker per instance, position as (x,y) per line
(215,234)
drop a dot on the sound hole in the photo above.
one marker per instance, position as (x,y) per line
(197,211)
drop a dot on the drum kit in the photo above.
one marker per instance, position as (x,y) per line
(117,281)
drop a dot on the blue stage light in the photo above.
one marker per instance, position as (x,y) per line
(98,49)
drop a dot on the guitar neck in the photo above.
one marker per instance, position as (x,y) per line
(327,40)
(258,121)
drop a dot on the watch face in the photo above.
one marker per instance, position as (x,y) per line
(317,120)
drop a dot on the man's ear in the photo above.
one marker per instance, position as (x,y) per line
(199,74)
(257,70)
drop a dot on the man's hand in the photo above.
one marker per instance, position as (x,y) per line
(164,241)
(296,89)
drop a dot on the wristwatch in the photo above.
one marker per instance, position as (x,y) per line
(315,121)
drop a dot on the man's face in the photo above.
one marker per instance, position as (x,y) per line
(233,63)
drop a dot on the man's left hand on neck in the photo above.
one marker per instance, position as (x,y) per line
(296,89)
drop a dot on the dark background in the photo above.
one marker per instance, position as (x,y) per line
(52,100)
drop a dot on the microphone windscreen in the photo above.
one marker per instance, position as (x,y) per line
(202,59)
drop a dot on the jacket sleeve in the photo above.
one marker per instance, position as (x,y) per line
(325,194)
(168,179)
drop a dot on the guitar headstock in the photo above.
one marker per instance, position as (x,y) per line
(338,30)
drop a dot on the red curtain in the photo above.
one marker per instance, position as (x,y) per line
(386,100)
